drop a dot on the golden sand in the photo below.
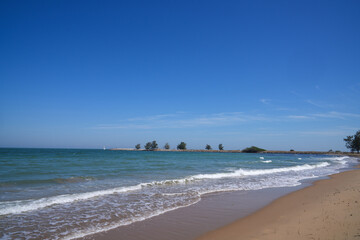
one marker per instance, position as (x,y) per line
(329,209)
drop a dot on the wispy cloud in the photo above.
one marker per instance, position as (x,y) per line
(338,115)
(349,128)
(299,117)
(314,103)
(323,133)
(186,120)
(329,115)
(152,118)
(265,101)
(183,120)
(284,109)
(320,104)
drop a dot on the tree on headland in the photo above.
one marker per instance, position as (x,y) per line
(353,142)
(148,146)
(151,145)
(181,146)
(154,145)
(253,149)
(137,146)
(167,146)
(208,147)
(221,147)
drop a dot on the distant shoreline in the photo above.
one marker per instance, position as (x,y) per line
(237,151)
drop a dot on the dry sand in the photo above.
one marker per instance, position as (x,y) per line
(329,209)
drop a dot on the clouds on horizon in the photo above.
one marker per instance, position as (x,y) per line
(186,120)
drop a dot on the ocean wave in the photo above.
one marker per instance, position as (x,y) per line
(19,206)
(338,159)
(241,172)
(266,161)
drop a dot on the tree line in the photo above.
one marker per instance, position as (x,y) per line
(351,142)
(151,146)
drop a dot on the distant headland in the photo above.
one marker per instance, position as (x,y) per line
(351,142)
(239,151)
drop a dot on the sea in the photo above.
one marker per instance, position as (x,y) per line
(72,193)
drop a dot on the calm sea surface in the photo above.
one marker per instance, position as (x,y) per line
(69,193)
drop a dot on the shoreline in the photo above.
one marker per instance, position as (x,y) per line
(195,220)
(141,195)
(327,209)
(217,215)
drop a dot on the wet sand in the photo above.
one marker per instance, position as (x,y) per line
(213,211)
(326,209)
(329,209)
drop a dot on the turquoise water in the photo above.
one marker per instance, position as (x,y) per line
(68,193)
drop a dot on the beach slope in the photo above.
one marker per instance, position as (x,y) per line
(329,209)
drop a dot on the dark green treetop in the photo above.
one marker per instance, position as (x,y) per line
(181,146)
(148,146)
(253,149)
(353,142)
(154,145)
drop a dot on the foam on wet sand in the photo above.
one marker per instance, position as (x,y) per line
(329,209)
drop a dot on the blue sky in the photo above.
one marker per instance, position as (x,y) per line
(84,74)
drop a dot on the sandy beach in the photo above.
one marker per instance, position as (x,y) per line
(325,209)
(329,209)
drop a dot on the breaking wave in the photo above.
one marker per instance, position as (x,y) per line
(15,207)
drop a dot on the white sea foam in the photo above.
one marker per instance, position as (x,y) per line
(83,233)
(242,172)
(89,231)
(175,190)
(338,159)
(15,207)
(80,214)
